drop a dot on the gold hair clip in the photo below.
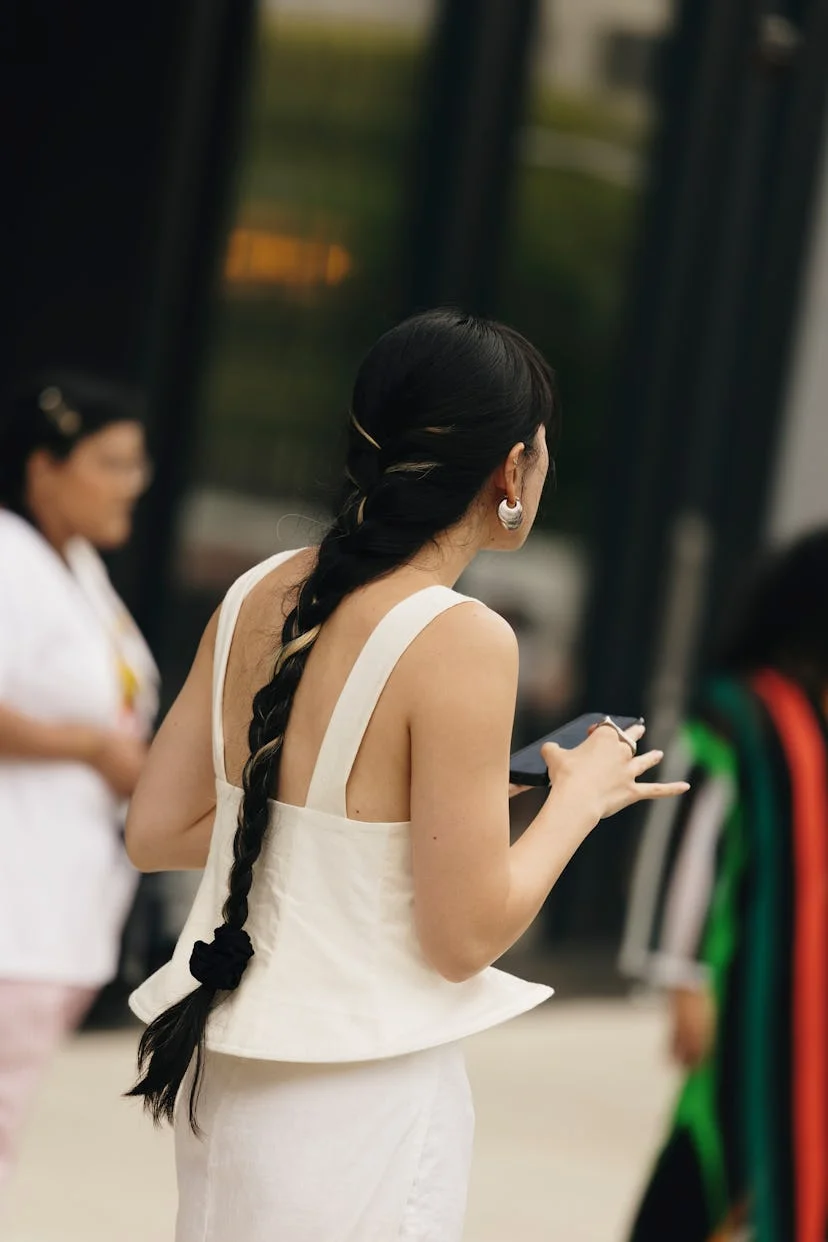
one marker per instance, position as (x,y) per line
(364,433)
(67,421)
(413,467)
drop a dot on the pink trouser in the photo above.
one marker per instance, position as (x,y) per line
(34,1018)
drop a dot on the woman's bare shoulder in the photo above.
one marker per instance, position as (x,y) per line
(468,637)
(460,686)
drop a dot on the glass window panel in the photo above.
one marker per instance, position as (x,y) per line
(582,160)
(312,271)
(580,176)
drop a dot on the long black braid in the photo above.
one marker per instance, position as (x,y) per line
(438,403)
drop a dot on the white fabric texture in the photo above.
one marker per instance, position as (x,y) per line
(374,1152)
(661,941)
(338,974)
(140,707)
(687,903)
(65,881)
(651,860)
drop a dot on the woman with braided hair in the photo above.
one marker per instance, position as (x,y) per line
(354,829)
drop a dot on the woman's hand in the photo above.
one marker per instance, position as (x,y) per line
(514,790)
(694,1025)
(603,772)
(475,890)
(119,758)
(116,755)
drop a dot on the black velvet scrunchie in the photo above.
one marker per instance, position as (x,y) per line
(221,963)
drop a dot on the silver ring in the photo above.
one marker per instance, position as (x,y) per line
(613,724)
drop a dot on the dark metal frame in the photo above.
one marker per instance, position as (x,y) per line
(460,193)
(701,392)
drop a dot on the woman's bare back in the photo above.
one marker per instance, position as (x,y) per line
(379,788)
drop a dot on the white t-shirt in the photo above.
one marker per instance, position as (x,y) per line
(65,882)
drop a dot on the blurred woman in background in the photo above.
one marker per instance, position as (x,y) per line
(78,694)
(730,915)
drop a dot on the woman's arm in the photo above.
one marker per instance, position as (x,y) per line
(171,815)
(676,872)
(117,757)
(25,737)
(677,957)
(474,893)
(678,960)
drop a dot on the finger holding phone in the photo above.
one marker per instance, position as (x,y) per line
(605,770)
(594,774)
(609,766)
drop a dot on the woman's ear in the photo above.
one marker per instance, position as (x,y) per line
(39,466)
(509,476)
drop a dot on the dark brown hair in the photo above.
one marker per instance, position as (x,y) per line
(55,411)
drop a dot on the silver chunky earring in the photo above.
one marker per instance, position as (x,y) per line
(510,516)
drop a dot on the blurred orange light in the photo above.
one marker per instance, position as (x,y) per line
(259,257)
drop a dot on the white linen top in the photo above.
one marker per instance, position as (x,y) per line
(65,880)
(337,973)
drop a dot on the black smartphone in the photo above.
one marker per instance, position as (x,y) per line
(526,767)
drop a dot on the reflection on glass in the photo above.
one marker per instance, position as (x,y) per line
(311,273)
(567,258)
(580,176)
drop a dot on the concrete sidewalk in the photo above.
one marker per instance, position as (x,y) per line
(570,1105)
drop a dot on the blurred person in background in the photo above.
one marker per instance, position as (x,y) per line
(78,694)
(730,915)
(359,879)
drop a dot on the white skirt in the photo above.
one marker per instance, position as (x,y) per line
(375,1151)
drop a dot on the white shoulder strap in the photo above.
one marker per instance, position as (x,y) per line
(360,695)
(229,615)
